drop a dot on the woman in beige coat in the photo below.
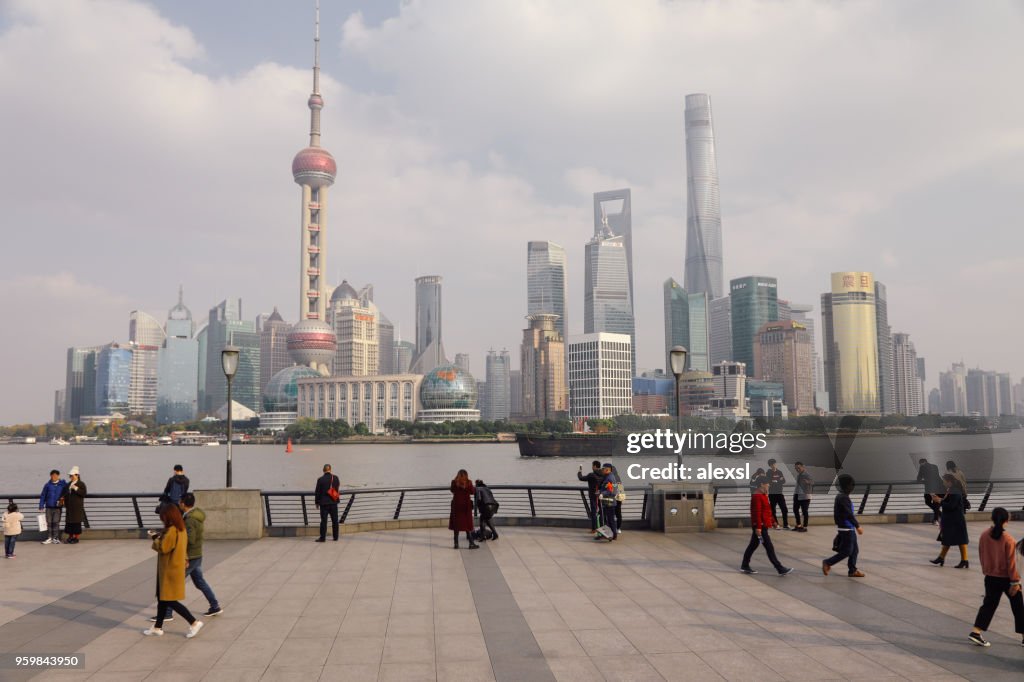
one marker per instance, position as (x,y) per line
(172,559)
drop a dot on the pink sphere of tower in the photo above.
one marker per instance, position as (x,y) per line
(314,166)
(312,342)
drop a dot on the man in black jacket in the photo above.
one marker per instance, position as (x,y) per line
(177,485)
(929,475)
(593,480)
(775,495)
(328,506)
(847,529)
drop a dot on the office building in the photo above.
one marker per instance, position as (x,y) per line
(402,354)
(371,400)
(543,369)
(886,390)
(704,254)
(226,327)
(80,384)
(783,354)
(754,302)
(274,356)
(848,320)
(462,362)
(515,392)
(353,316)
(113,379)
(801,312)
(145,337)
(385,345)
(600,375)
(766,399)
(607,303)
(546,282)
(613,212)
(677,319)
(906,384)
(730,397)
(178,375)
(429,346)
(497,404)
(934,401)
(59,408)
(953,390)
(720,330)
(1005,393)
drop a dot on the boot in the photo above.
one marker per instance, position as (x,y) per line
(938,561)
(456,540)
(963,564)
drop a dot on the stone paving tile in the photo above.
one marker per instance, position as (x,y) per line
(357,672)
(408,649)
(303,674)
(579,669)
(249,653)
(407,672)
(302,653)
(559,644)
(356,651)
(233,674)
(605,643)
(738,667)
(460,647)
(465,671)
(682,667)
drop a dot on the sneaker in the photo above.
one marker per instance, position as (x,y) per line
(802,529)
(856,574)
(978,640)
(47,541)
(194,629)
(214,612)
(153,632)
(56,541)
(168,619)
(786,528)
(786,571)
(320,540)
(748,570)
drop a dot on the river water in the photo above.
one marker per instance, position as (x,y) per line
(110,469)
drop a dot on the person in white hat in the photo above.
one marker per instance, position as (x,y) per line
(74,502)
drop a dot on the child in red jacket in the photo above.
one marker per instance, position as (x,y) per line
(760,522)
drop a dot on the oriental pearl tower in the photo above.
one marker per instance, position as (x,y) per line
(311,341)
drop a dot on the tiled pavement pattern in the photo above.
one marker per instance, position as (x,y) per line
(538,604)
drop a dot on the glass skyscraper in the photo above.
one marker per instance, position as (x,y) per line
(699,357)
(677,320)
(608,306)
(848,319)
(177,378)
(704,269)
(720,330)
(613,211)
(545,281)
(113,379)
(497,396)
(145,337)
(429,347)
(225,327)
(754,302)
(886,390)
(80,384)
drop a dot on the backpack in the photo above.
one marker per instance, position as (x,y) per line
(176,492)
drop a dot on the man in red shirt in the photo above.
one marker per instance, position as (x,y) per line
(760,522)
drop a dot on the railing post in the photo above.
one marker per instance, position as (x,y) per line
(398,509)
(984,500)
(586,503)
(344,514)
(138,514)
(643,507)
(533,510)
(864,500)
(266,505)
(885,500)
(305,514)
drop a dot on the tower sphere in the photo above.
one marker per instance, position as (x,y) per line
(314,166)
(312,342)
(316,101)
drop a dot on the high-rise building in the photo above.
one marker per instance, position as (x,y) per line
(886,391)
(462,362)
(401,357)
(113,379)
(59,409)
(784,310)
(934,401)
(600,375)
(848,319)
(145,337)
(178,375)
(312,341)
(225,326)
(80,384)
(704,264)
(546,281)
(754,302)
(385,345)
(783,354)
(906,384)
(542,359)
(801,312)
(720,330)
(699,356)
(429,346)
(498,395)
(980,393)
(613,212)
(730,385)
(274,354)
(953,390)
(921,376)
(607,304)
(245,387)
(677,319)
(354,318)
(1018,399)
(1005,393)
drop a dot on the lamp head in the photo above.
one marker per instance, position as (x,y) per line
(229,360)
(677,358)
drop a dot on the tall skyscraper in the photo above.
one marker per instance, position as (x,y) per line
(542,359)
(515,391)
(385,345)
(429,346)
(608,304)
(498,395)
(80,384)
(720,330)
(545,282)
(925,395)
(202,340)
(312,341)
(245,387)
(600,375)
(354,318)
(981,394)
(402,356)
(613,212)
(848,319)
(1005,393)
(906,384)
(177,377)
(677,320)
(934,401)
(274,354)
(801,312)
(886,391)
(783,353)
(704,265)
(59,407)
(113,379)
(226,326)
(145,337)
(462,361)
(953,390)
(754,302)
(699,357)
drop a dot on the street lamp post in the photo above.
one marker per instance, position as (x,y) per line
(677,359)
(229,363)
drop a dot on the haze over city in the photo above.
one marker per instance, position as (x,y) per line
(879,136)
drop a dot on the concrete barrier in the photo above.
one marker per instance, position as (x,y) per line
(231,513)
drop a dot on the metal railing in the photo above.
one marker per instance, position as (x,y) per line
(105,511)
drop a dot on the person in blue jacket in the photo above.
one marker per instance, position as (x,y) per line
(847,527)
(51,500)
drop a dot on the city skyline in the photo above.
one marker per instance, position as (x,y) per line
(426,178)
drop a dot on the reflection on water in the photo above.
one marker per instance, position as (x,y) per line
(107,469)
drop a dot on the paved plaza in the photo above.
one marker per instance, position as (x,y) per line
(539,604)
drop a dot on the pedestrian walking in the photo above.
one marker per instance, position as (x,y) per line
(961,482)
(177,485)
(486,507)
(999,564)
(776,496)
(760,521)
(326,496)
(74,503)
(12,529)
(952,523)
(611,488)
(593,480)
(51,502)
(460,520)
(847,529)
(928,474)
(802,497)
(171,546)
(194,518)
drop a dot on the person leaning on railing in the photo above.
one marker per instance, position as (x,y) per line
(999,564)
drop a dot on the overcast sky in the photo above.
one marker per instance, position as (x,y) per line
(147,144)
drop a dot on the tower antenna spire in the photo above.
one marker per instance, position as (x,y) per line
(181,294)
(316,102)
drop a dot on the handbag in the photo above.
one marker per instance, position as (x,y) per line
(620,493)
(41,520)
(332,492)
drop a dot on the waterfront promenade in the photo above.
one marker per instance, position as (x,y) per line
(539,604)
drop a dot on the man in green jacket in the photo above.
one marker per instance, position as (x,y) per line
(194,519)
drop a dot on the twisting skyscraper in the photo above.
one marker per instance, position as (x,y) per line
(704,271)
(312,341)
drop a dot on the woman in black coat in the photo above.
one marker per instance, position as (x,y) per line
(74,503)
(952,524)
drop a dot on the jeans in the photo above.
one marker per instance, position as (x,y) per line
(994,589)
(195,569)
(934,506)
(779,499)
(163,607)
(758,538)
(801,509)
(53,522)
(487,523)
(9,541)
(594,502)
(610,519)
(325,511)
(848,549)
